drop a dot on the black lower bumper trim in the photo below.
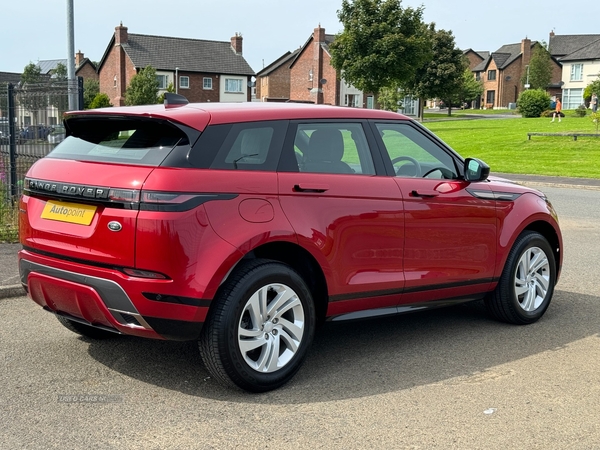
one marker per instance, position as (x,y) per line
(175,330)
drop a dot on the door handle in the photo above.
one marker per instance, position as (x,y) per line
(424,193)
(308,187)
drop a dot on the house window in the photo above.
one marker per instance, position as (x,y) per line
(184,82)
(207,83)
(233,85)
(572,98)
(351,100)
(576,72)
(162,81)
(490,99)
(478,76)
(310,75)
(115,82)
(491,75)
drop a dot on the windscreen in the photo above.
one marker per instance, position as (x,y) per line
(119,140)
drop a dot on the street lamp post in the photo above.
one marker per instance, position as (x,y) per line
(176,80)
(527,85)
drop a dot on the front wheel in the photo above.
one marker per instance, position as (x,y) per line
(527,283)
(258,331)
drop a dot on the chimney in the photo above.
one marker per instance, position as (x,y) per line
(236,43)
(121,35)
(526,51)
(319,34)
(79,58)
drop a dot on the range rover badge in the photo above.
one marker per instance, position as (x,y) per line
(114,226)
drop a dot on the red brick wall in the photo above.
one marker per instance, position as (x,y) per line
(87,72)
(300,85)
(196,92)
(275,85)
(474,59)
(116,63)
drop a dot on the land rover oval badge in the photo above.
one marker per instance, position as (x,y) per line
(114,226)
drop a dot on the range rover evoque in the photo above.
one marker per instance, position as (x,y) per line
(243,226)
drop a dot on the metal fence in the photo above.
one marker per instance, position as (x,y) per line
(30,127)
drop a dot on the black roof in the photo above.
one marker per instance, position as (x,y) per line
(566,44)
(10,77)
(286,57)
(189,55)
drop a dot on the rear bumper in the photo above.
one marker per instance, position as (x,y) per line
(107,298)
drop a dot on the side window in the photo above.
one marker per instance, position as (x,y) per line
(251,146)
(412,154)
(333,148)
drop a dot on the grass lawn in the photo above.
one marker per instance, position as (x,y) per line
(503,144)
(459,113)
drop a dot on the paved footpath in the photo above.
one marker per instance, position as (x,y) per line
(10,285)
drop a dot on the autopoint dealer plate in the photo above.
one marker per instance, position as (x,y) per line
(68,212)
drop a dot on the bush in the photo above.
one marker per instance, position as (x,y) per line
(100,101)
(581,111)
(533,102)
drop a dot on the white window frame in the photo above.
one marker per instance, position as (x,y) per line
(207,83)
(576,72)
(234,86)
(162,81)
(184,82)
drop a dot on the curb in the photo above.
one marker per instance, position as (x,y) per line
(15,290)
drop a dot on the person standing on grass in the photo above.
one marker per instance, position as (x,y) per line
(594,102)
(557,110)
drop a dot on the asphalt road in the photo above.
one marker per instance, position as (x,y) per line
(445,379)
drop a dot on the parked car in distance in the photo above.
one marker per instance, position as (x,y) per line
(34,132)
(4,131)
(56,134)
(243,226)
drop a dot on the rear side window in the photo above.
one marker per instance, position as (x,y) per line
(119,140)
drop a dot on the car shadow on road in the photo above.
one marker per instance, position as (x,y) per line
(371,357)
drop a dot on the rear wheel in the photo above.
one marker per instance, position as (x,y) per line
(258,331)
(85,330)
(527,283)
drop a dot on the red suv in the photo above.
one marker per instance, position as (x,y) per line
(243,226)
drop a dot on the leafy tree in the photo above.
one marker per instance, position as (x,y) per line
(100,101)
(390,98)
(30,96)
(594,86)
(540,69)
(91,88)
(161,97)
(442,75)
(470,88)
(382,44)
(143,88)
(533,102)
(58,88)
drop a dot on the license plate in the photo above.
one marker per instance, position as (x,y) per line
(68,212)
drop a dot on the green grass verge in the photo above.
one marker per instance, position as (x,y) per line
(503,144)
(9,223)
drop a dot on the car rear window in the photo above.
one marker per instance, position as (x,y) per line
(119,140)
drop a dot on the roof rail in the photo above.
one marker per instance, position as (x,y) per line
(174,100)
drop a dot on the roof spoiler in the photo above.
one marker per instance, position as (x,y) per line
(174,100)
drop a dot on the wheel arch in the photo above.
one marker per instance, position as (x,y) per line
(549,232)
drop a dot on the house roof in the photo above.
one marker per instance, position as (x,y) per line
(590,51)
(189,55)
(10,77)
(566,44)
(48,65)
(329,38)
(288,56)
(503,57)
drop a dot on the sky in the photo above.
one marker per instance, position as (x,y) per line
(270,28)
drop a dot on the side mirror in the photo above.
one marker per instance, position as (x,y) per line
(476,170)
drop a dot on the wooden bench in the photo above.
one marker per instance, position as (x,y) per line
(574,135)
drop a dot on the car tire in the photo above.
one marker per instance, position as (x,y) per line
(527,282)
(85,330)
(259,328)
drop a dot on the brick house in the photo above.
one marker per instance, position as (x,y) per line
(201,70)
(579,56)
(273,82)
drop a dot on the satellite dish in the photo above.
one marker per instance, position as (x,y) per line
(323,81)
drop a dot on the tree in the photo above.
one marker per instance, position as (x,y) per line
(58,88)
(540,69)
(594,86)
(143,88)
(30,95)
(91,88)
(100,101)
(470,89)
(442,75)
(161,97)
(390,98)
(382,44)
